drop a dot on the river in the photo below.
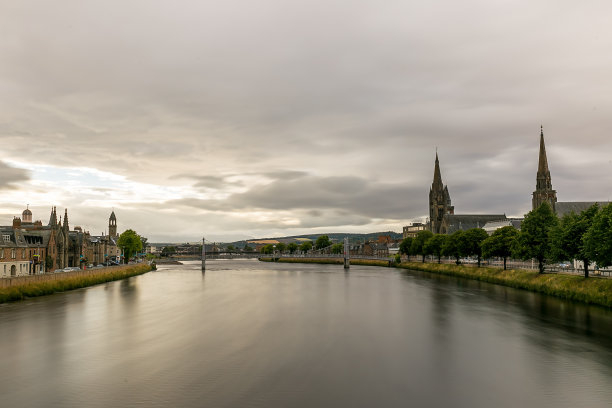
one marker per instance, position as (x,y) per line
(250,334)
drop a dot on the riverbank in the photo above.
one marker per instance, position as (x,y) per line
(46,284)
(593,290)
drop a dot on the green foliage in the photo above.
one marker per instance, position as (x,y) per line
(568,237)
(598,238)
(231,248)
(292,247)
(248,248)
(168,251)
(143,240)
(280,247)
(398,259)
(337,248)
(534,239)
(130,242)
(267,249)
(404,247)
(500,243)
(454,245)
(322,242)
(416,248)
(572,287)
(472,239)
(306,246)
(434,245)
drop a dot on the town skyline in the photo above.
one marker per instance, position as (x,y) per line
(291,118)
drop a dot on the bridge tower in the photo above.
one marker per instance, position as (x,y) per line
(347,254)
(203,254)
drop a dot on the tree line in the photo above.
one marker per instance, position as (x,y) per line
(543,236)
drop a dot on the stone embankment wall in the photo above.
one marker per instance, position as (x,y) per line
(49,277)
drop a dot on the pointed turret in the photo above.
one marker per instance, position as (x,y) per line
(112,225)
(437,179)
(53,218)
(65,225)
(544,191)
(439,200)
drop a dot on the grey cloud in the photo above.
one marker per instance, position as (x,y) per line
(11,177)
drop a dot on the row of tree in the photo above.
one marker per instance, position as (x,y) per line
(543,236)
(321,242)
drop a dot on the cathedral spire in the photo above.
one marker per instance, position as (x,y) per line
(437,175)
(65,225)
(544,191)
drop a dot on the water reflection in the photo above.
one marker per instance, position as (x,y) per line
(275,335)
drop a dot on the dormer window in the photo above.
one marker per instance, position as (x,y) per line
(6,237)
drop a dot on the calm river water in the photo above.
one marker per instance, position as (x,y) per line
(250,334)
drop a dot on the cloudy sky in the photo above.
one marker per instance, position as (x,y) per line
(256,118)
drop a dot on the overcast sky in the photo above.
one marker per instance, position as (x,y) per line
(257,118)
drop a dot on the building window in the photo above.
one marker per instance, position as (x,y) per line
(2,253)
(23,253)
(13,253)
(6,237)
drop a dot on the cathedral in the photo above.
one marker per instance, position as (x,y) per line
(442,217)
(443,220)
(545,193)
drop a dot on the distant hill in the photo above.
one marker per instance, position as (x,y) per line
(334,236)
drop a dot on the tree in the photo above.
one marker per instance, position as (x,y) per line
(534,239)
(292,247)
(306,246)
(500,243)
(404,247)
(568,237)
(129,241)
(322,242)
(144,240)
(231,248)
(168,251)
(454,245)
(337,248)
(280,247)
(248,248)
(598,238)
(434,245)
(267,249)
(472,239)
(416,248)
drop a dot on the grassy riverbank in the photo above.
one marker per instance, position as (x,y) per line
(592,290)
(62,284)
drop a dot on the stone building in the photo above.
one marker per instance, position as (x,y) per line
(442,217)
(545,193)
(29,247)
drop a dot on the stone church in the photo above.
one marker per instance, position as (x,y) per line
(442,217)
(443,220)
(545,193)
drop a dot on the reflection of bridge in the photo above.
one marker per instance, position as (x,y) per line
(339,257)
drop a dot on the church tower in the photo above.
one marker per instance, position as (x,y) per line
(112,225)
(439,200)
(544,191)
